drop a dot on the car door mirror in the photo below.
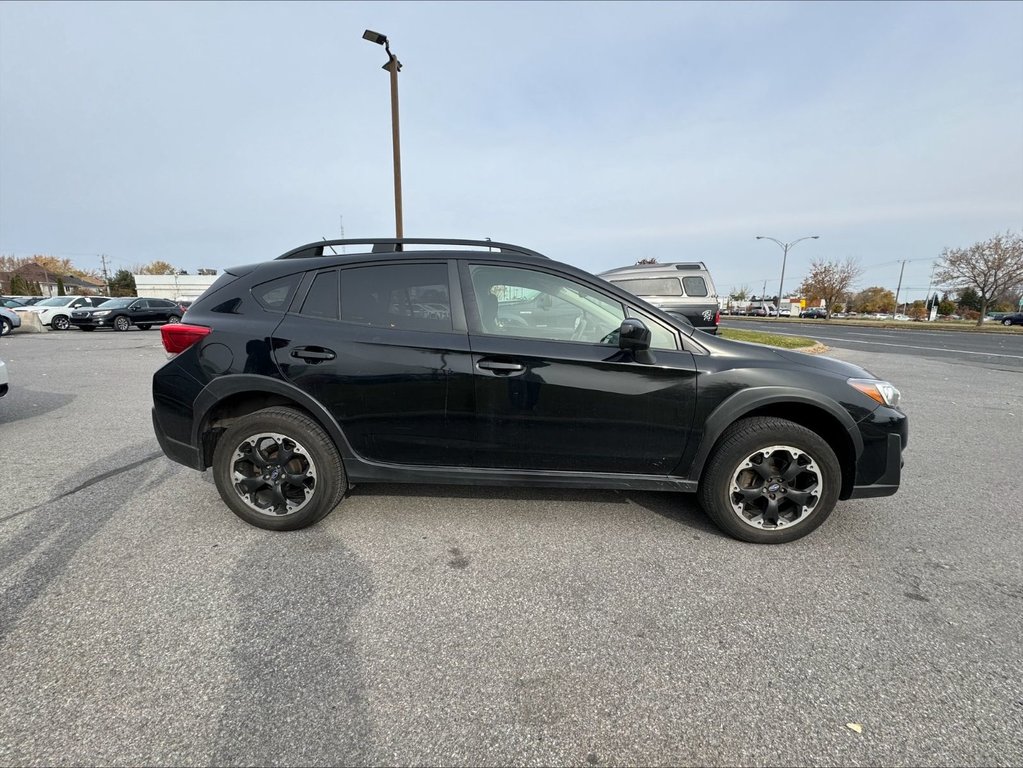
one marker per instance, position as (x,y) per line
(634,337)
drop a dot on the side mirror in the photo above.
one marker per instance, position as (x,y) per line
(634,337)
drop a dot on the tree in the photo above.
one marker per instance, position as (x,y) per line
(946,307)
(19,286)
(123,284)
(52,264)
(829,280)
(158,268)
(970,299)
(990,268)
(874,299)
(60,287)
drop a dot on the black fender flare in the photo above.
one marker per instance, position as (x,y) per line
(746,401)
(223,387)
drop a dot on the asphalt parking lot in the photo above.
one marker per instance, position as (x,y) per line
(142,623)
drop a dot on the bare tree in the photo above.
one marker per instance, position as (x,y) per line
(990,268)
(830,280)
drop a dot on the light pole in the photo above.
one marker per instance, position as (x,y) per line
(394,67)
(784,257)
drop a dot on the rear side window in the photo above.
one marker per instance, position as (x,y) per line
(322,299)
(402,296)
(652,286)
(276,294)
(695,286)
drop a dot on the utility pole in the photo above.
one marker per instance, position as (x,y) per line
(106,275)
(899,288)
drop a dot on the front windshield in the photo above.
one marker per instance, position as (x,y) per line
(55,301)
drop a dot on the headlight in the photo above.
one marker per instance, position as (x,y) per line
(101,313)
(881,391)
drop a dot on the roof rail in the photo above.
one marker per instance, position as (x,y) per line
(395,245)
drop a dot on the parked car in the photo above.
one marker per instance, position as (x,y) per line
(298,377)
(684,286)
(814,313)
(121,314)
(56,310)
(1013,318)
(9,320)
(763,310)
(11,302)
(3,378)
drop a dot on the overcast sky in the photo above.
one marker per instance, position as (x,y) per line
(210,134)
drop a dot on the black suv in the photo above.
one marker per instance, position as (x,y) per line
(297,378)
(122,314)
(814,313)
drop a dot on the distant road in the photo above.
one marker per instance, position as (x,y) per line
(1003,351)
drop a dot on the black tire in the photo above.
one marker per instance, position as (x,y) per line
(760,498)
(121,323)
(6,327)
(1006,322)
(173,319)
(312,480)
(87,327)
(144,326)
(60,323)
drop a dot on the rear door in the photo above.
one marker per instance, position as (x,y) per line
(553,390)
(385,349)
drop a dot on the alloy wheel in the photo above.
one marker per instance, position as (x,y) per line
(273,474)
(775,487)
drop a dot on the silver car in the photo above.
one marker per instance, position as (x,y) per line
(9,320)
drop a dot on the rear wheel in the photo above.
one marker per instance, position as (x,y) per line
(770,481)
(121,323)
(1006,322)
(278,469)
(60,323)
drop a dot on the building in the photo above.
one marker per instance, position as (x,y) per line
(33,273)
(175,287)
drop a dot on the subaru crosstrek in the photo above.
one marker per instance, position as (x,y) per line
(482,363)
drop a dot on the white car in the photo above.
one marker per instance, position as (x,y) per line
(56,310)
(3,378)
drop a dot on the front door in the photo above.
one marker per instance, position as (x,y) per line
(554,392)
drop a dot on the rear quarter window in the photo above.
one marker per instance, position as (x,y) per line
(276,295)
(695,286)
(651,286)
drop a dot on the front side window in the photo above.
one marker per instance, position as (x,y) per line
(412,297)
(513,301)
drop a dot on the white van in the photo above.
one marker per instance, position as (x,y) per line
(683,287)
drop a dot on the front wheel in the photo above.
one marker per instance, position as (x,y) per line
(278,469)
(121,323)
(770,481)
(6,326)
(60,322)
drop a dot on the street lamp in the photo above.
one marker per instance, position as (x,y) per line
(785,254)
(393,66)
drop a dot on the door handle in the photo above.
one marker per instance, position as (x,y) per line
(498,367)
(313,354)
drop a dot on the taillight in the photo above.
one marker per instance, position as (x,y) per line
(717,318)
(177,337)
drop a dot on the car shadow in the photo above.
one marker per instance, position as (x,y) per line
(20,403)
(681,508)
